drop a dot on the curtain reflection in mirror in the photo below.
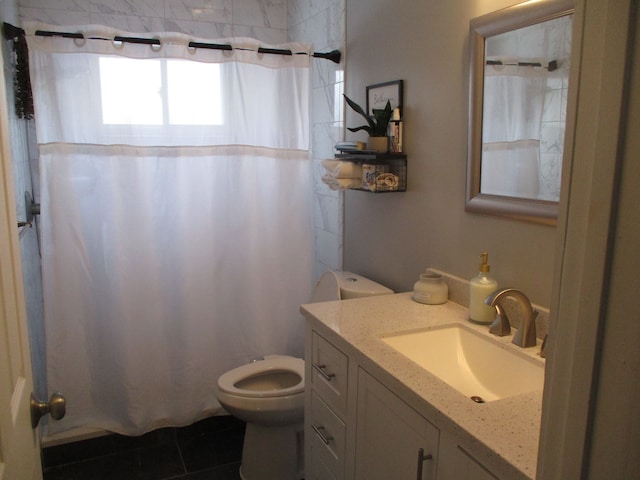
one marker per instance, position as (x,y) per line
(513,99)
(525,85)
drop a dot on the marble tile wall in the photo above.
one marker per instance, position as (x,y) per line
(554,114)
(322,23)
(24,171)
(265,20)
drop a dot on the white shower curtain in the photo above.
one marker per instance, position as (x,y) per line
(177,242)
(513,103)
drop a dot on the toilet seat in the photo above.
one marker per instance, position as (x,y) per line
(228,382)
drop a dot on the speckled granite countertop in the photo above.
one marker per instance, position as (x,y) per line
(502,434)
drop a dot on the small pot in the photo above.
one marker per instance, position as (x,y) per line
(378,144)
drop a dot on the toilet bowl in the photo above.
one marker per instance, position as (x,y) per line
(269,395)
(269,391)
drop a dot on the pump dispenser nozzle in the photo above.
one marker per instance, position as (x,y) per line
(484,266)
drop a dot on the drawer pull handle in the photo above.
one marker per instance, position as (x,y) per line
(321,370)
(421,459)
(320,432)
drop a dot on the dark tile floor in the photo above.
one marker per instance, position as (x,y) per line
(207,450)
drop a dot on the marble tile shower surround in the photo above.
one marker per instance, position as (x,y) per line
(25,179)
(322,24)
(265,20)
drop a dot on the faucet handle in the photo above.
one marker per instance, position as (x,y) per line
(501,325)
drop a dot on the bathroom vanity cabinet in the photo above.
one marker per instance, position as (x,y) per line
(356,427)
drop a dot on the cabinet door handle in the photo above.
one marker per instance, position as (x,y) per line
(421,459)
(321,369)
(320,432)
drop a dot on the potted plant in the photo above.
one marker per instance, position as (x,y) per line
(376,127)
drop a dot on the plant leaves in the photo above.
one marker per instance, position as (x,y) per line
(357,108)
(363,127)
(378,122)
(382,116)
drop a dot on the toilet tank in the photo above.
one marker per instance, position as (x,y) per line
(344,285)
(353,285)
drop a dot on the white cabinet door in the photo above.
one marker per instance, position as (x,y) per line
(19,449)
(392,439)
(455,463)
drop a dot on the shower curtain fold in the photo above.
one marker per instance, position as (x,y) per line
(168,260)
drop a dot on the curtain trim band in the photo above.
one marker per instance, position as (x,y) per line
(170,151)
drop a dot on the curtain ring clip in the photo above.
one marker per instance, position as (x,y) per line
(156,47)
(80,41)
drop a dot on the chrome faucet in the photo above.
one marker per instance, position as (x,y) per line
(526,334)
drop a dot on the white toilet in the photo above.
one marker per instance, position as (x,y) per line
(269,395)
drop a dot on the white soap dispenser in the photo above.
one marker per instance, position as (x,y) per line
(480,287)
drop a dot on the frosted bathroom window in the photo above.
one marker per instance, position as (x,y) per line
(194,93)
(131,91)
(159,92)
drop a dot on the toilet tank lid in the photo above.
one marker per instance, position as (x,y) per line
(354,284)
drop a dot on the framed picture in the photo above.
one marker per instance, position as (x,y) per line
(377,96)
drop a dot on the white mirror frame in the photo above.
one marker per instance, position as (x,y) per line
(495,23)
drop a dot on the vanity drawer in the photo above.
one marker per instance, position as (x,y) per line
(329,367)
(327,437)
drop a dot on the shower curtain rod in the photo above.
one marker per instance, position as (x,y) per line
(551,66)
(12,32)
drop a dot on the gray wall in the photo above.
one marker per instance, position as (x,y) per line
(393,237)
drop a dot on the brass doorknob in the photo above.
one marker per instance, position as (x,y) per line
(56,406)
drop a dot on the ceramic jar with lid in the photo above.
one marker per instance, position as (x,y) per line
(431,289)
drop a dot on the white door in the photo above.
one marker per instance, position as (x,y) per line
(19,445)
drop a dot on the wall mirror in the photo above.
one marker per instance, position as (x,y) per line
(519,76)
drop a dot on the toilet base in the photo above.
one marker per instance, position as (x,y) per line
(273,452)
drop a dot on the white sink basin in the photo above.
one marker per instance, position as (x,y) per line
(473,364)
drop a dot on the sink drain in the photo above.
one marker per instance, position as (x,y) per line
(477,399)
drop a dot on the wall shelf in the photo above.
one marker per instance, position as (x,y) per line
(394,163)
